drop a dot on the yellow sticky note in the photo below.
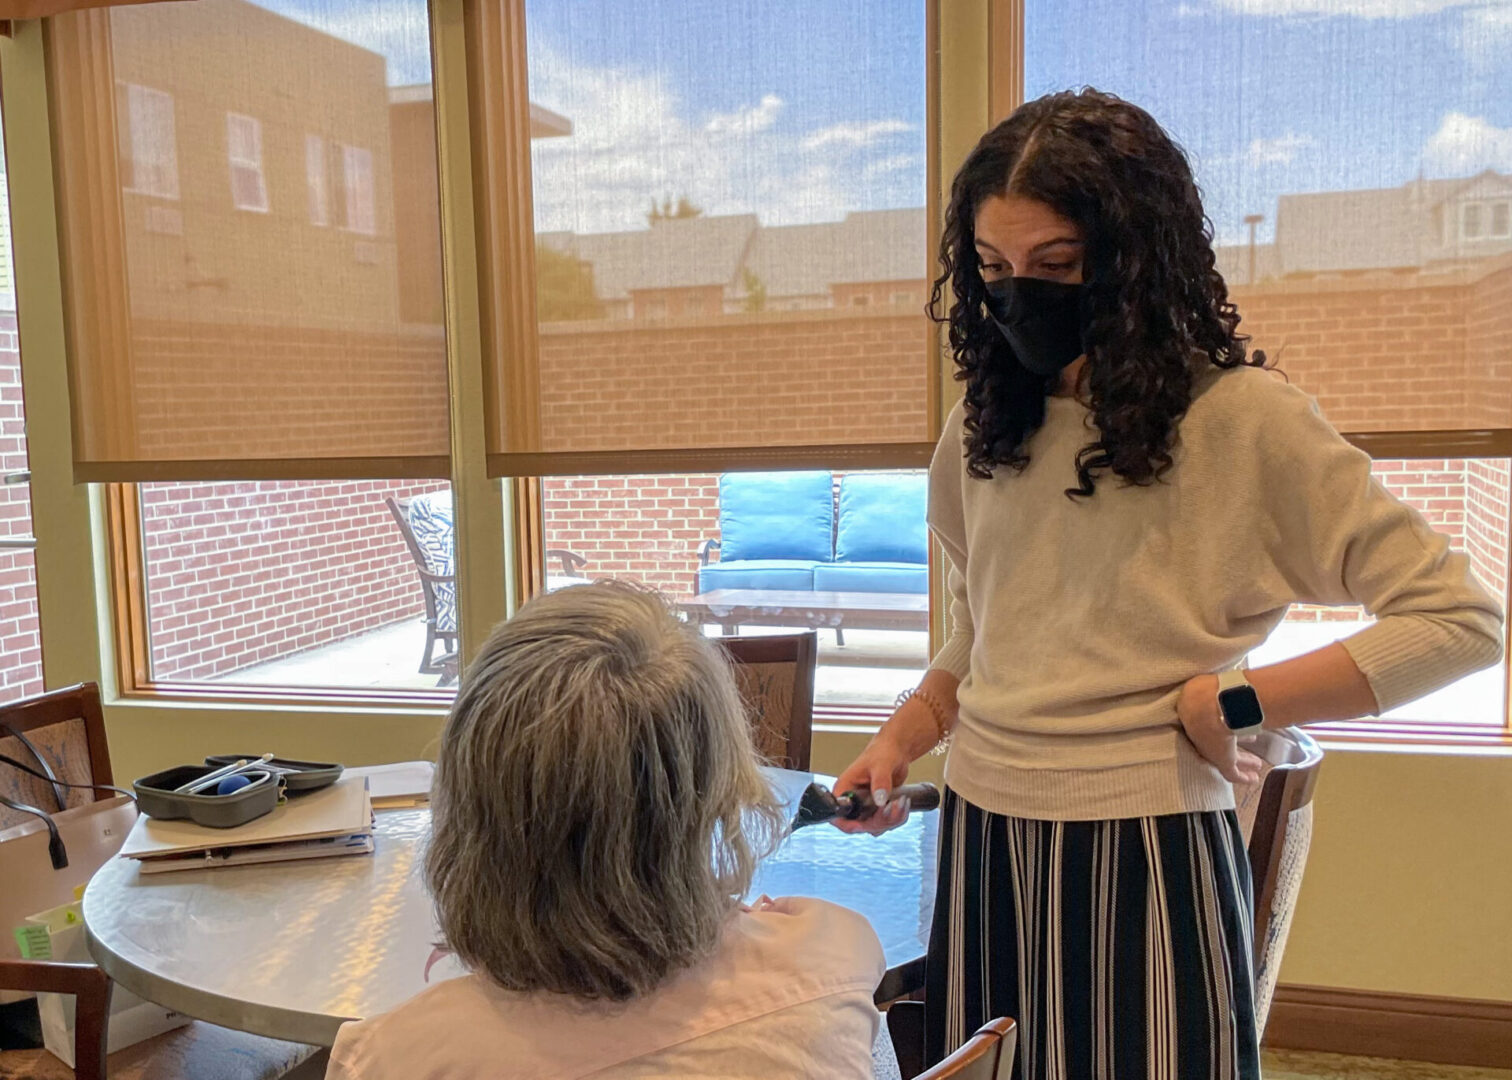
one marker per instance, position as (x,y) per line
(78,894)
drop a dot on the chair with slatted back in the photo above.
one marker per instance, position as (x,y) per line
(1276,818)
(65,732)
(776,679)
(987,1055)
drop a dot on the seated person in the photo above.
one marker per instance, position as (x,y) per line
(597,817)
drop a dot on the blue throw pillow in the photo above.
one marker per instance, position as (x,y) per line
(882,518)
(778,515)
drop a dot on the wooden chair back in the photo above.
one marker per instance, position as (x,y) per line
(1276,818)
(776,679)
(62,734)
(987,1055)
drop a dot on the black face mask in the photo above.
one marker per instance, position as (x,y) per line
(1042,320)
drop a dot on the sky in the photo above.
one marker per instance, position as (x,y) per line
(803,110)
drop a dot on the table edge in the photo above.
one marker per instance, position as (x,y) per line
(270,1021)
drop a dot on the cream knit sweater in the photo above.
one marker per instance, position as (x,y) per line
(1075,623)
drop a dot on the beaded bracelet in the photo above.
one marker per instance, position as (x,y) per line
(932,703)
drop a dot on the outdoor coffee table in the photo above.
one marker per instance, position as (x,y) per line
(292,950)
(734,608)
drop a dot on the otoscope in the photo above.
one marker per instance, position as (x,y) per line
(820,804)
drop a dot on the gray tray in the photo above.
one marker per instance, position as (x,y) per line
(157,798)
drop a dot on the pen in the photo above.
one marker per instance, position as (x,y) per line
(212,778)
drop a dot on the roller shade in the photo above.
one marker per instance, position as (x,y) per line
(250,229)
(720,261)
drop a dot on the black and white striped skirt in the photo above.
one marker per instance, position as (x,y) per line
(1121,948)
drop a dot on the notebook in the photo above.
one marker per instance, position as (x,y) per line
(337,820)
(397,786)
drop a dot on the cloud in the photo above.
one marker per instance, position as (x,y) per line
(1361,9)
(893,163)
(399,30)
(757,117)
(1464,145)
(1282,150)
(635,139)
(855,134)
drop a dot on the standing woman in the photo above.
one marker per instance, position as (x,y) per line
(1129,505)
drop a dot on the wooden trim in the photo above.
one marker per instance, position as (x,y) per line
(92,243)
(313,696)
(530,538)
(1507,638)
(1407,733)
(1389,445)
(710,459)
(1005,57)
(1370,1023)
(128,588)
(428,467)
(499,118)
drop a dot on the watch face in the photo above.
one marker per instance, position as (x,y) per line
(1240,706)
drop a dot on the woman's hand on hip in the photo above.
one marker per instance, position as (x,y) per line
(1197,708)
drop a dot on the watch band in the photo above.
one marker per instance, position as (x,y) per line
(1229,679)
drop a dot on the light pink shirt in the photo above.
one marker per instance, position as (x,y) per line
(788,993)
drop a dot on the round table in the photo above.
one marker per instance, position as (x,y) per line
(293,950)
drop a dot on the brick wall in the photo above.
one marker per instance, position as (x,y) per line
(645,528)
(20,644)
(241,573)
(797,378)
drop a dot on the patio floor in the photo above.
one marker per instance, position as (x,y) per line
(872,668)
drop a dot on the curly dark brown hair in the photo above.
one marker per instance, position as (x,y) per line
(1159,309)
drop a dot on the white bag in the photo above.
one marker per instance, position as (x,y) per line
(131,1019)
(91,834)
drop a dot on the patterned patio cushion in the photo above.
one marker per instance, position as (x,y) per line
(430,518)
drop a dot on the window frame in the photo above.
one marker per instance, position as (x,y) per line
(235,161)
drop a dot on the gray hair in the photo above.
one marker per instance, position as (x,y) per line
(598,810)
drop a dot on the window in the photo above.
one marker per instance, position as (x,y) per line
(766,553)
(357,174)
(310,584)
(1501,219)
(265,355)
(20,644)
(1467,500)
(1336,233)
(315,180)
(244,155)
(1472,221)
(147,141)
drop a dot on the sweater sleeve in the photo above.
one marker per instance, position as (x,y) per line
(1340,537)
(948,523)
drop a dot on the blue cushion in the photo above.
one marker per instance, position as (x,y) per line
(430,519)
(757,574)
(882,518)
(900,577)
(784,515)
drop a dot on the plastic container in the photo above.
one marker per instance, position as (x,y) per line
(157,798)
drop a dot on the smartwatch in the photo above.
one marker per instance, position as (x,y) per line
(1238,703)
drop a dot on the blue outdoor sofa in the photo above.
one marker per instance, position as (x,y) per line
(789,531)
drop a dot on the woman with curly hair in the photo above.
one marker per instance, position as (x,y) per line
(1129,504)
